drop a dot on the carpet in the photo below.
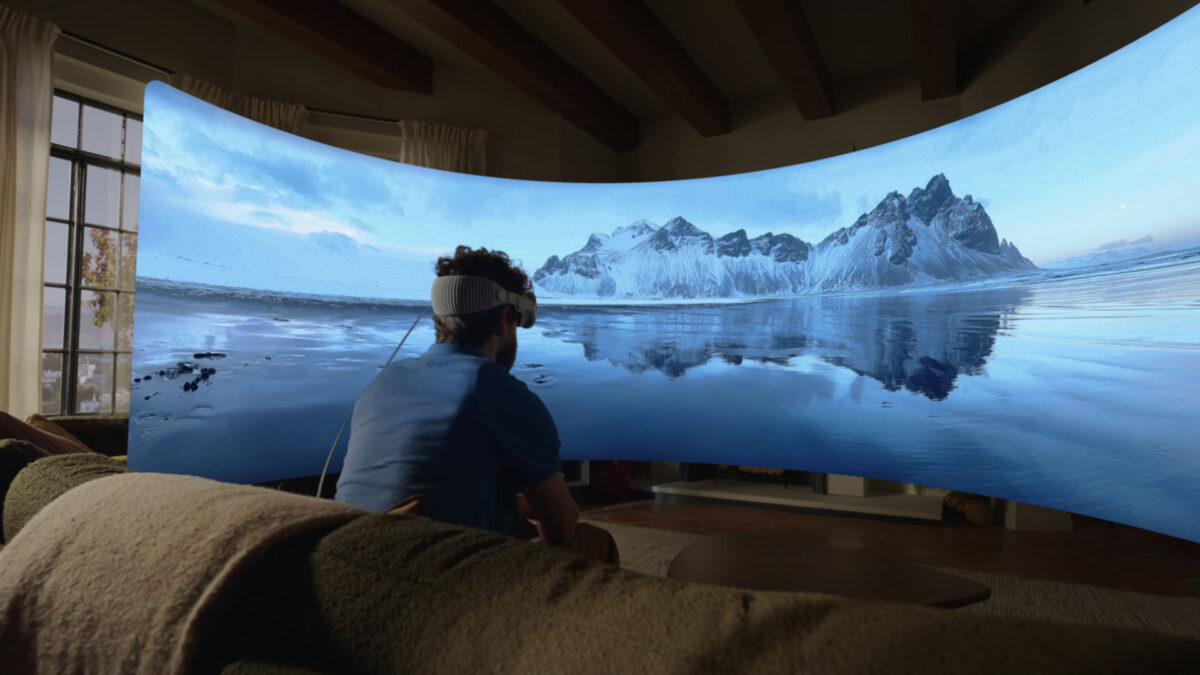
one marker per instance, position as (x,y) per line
(650,551)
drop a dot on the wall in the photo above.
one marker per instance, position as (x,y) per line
(527,140)
(770,132)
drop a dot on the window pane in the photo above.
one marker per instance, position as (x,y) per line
(58,189)
(133,141)
(102,203)
(125,321)
(128,260)
(101,258)
(52,384)
(101,132)
(97,320)
(123,382)
(58,238)
(64,125)
(129,216)
(54,314)
(93,394)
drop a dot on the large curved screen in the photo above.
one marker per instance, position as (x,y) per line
(1008,305)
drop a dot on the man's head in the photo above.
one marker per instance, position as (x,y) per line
(493,331)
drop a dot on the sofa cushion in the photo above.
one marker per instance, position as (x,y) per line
(37,421)
(15,455)
(136,572)
(408,594)
(11,427)
(45,480)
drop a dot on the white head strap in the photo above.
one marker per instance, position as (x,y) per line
(454,295)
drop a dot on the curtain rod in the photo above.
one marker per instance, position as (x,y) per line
(357,116)
(116,52)
(167,71)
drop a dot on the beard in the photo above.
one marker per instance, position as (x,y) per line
(507,355)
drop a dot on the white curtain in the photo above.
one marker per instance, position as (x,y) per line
(26,93)
(289,117)
(442,146)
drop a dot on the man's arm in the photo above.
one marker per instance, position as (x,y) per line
(555,510)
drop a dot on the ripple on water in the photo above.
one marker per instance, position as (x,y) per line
(199,412)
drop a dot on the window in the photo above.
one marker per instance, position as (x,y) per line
(91,253)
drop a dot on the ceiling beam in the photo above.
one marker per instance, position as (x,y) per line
(635,35)
(337,34)
(935,39)
(1007,36)
(785,35)
(482,30)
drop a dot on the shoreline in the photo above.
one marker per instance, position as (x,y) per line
(1033,277)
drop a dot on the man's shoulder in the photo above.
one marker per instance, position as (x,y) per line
(437,364)
(425,377)
(494,376)
(479,374)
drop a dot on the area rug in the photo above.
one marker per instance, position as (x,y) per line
(650,551)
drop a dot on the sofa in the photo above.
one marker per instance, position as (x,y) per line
(102,434)
(109,570)
(22,442)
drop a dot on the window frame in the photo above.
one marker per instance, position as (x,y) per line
(74,287)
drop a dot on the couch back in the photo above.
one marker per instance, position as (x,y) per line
(399,593)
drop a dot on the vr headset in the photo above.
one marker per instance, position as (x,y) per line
(456,294)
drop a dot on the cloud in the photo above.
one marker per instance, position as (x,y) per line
(275,217)
(205,145)
(334,242)
(251,194)
(1124,243)
(367,227)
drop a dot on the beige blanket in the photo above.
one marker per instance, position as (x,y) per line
(127,573)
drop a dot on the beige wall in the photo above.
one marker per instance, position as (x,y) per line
(770,132)
(527,140)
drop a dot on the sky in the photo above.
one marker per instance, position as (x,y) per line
(1102,159)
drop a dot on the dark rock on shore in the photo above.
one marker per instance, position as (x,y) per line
(194,384)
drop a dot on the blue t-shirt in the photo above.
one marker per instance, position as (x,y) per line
(454,427)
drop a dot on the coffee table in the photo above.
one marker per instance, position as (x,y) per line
(772,564)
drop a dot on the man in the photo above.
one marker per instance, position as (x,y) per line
(453,431)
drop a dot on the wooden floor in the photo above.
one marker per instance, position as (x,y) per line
(1095,553)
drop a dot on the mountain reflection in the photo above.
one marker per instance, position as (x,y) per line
(920,342)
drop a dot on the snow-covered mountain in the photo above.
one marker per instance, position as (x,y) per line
(930,236)
(1098,258)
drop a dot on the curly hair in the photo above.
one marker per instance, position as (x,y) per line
(474,329)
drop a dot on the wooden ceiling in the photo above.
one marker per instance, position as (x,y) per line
(604,64)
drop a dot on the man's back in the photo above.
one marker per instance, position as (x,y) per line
(451,426)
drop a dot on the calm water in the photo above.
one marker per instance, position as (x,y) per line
(1077,392)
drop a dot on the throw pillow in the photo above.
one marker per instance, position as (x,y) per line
(11,427)
(51,427)
(409,505)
